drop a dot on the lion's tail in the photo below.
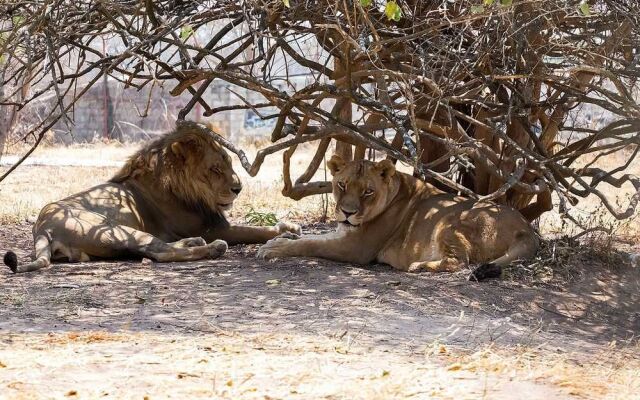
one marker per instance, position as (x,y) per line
(43,257)
(523,247)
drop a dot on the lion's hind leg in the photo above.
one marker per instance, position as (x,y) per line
(524,246)
(454,249)
(93,234)
(71,254)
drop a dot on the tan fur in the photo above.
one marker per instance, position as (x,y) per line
(167,203)
(393,218)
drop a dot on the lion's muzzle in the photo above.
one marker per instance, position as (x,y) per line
(348,217)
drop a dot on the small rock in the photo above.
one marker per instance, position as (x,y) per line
(147,261)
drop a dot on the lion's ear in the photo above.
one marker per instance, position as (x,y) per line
(335,164)
(386,169)
(177,149)
(184,148)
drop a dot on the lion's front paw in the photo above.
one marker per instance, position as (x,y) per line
(217,248)
(288,227)
(273,248)
(288,235)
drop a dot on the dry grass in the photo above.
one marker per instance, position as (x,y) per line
(610,373)
(107,151)
(28,189)
(561,261)
(294,366)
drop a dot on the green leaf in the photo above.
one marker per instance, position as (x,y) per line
(392,11)
(477,9)
(584,8)
(260,218)
(186,31)
(17,20)
(365,3)
(506,3)
(286,3)
(488,2)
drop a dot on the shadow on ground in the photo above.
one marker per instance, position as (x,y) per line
(371,305)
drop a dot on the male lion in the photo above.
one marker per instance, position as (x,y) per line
(166,203)
(394,218)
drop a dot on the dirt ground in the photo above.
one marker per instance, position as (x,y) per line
(239,327)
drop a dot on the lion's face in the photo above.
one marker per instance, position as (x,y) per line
(202,172)
(362,189)
(189,164)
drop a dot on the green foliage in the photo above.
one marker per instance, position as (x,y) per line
(286,3)
(584,8)
(479,8)
(3,56)
(17,20)
(185,32)
(365,3)
(392,11)
(254,217)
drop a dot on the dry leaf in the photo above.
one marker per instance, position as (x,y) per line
(454,367)
(341,350)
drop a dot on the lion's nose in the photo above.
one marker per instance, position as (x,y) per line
(236,185)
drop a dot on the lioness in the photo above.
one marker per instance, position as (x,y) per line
(393,218)
(166,203)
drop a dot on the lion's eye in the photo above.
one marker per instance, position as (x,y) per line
(368,192)
(341,186)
